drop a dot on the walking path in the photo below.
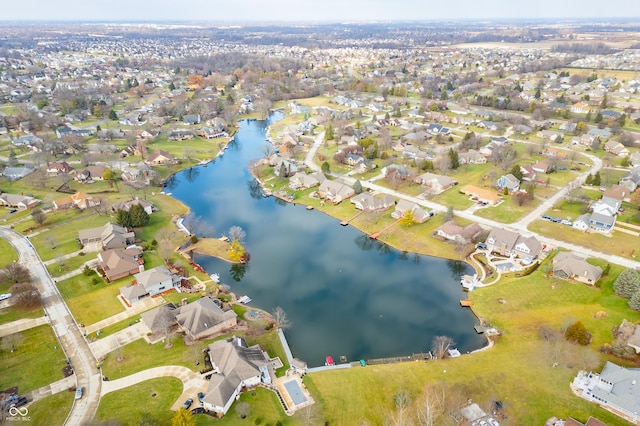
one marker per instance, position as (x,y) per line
(102,346)
(51,389)
(21,325)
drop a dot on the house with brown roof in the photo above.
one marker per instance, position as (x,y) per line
(335,191)
(203,319)
(543,166)
(617,192)
(160,157)
(514,245)
(554,152)
(16,201)
(119,263)
(451,231)
(616,148)
(570,266)
(436,183)
(484,195)
(58,168)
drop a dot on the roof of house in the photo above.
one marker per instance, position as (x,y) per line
(574,265)
(117,261)
(624,393)
(133,292)
(153,276)
(159,319)
(201,315)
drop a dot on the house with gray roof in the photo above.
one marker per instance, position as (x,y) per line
(17,201)
(150,283)
(571,266)
(236,366)
(108,236)
(460,234)
(370,203)
(303,180)
(616,389)
(16,173)
(335,191)
(420,215)
(514,245)
(601,222)
(631,180)
(203,318)
(508,181)
(436,183)
(606,205)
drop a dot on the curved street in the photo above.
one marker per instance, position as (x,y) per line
(71,339)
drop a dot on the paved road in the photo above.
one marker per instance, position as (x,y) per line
(71,340)
(308,159)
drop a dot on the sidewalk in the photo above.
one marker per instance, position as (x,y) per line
(103,346)
(21,325)
(52,388)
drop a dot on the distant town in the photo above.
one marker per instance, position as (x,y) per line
(512,146)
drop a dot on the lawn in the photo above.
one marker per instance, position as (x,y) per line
(508,211)
(37,350)
(152,397)
(530,395)
(90,302)
(52,410)
(264,409)
(7,253)
(13,313)
(60,268)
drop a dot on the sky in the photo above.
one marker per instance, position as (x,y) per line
(238,11)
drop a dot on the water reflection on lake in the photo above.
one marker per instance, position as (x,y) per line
(344,293)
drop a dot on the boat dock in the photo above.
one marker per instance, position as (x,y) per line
(466,302)
(346,222)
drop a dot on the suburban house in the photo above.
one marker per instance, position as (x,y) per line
(570,266)
(126,205)
(161,157)
(16,173)
(614,389)
(543,166)
(631,180)
(483,195)
(150,283)
(58,168)
(369,203)
(471,157)
(80,200)
(436,183)
(303,180)
(617,192)
(635,159)
(90,174)
(512,244)
(616,148)
(550,135)
(191,119)
(15,201)
(119,263)
(106,237)
(180,135)
(582,222)
(420,215)
(509,182)
(212,132)
(236,366)
(459,234)
(580,108)
(160,321)
(335,191)
(203,318)
(601,223)
(554,153)
(606,206)
(285,168)
(528,174)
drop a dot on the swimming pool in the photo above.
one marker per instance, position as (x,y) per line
(295,392)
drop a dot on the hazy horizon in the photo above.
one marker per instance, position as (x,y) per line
(314,11)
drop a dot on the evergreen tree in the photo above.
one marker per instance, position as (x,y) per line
(589,179)
(453,156)
(326,168)
(627,284)
(13,160)
(357,187)
(517,172)
(123,218)
(172,86)
(113,116)
(328,133)
(596,179)
(139,217)
(598,117)
(634,302)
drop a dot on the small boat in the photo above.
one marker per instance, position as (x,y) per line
(329,360)
(309,207)
(244,299)
(466,302)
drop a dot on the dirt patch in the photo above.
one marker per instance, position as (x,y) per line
(67,370)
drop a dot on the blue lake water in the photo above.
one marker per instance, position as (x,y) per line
(344,293)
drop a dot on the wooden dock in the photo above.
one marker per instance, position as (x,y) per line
(466,302)
(346,222)
(376,235)
(393,360)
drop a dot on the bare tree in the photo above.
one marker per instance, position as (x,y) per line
(280,318)
(440,345)
(236,233)
(243,409)
(52,241)
(14,273)
(38,216)
(198,226)
(430,407)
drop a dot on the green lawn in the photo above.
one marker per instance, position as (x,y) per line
(37,351)
(7,253)
(508,211)
(154,397)
(13,313)
(52,410)
(90,302)
(264,409)
(68,265)
(517,371)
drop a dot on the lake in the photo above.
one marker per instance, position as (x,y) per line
(344,293)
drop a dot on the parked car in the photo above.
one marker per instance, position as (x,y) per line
(201,397)
(493,422)
(187,403)
(79,392)
(12,211)
(481,246)
(5,296)
(546,216)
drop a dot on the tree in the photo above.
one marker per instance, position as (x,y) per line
(407,218)
(578,333)
(357,187)
(237,251)
(183,417)
(123,218)
(236,233)
(139,217)
(38,217)
(627,284)
(596,179)
(430,407)
(12,161)
(14,273)
(448,215)
(453,156)
(329,133)
(517,172)
(440,345)
(280,318)
(326,168)
(113,115)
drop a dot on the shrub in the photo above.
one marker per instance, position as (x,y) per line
(578,333)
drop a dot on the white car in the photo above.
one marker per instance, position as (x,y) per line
(5,296)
